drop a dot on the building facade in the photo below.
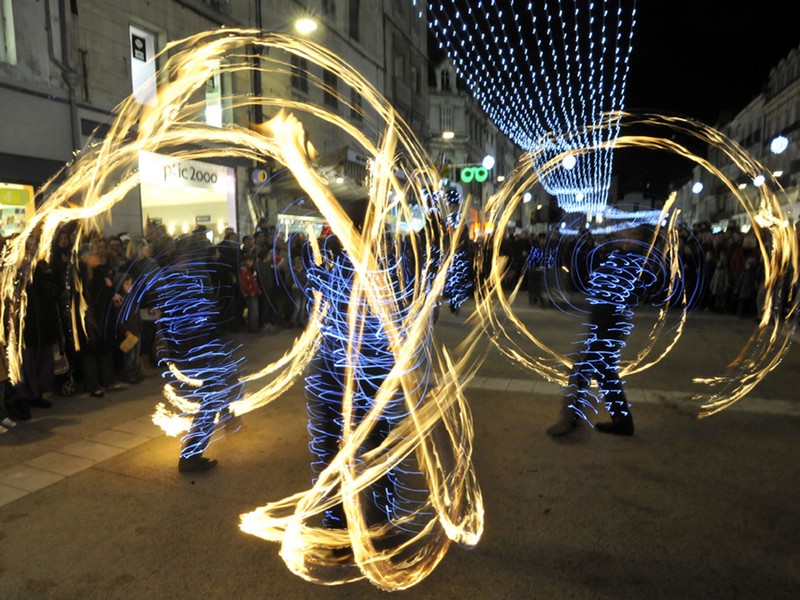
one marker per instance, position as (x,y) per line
(66,64)
(461,136)
(768,128)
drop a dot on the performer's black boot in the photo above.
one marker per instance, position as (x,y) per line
(565,425)
(619,425)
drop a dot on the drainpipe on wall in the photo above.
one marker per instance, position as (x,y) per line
(70,76)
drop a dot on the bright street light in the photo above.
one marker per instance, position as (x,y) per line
(568,162)
(448,135)
(779,144)
(488,162)
(527,197)
(697,187)
(759,180)
(305,25)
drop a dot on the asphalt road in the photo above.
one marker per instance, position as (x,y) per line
(92,504)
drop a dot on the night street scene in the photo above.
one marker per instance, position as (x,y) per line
(456,299)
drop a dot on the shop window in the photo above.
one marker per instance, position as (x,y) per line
(16,207)
(299,73)
(8,43)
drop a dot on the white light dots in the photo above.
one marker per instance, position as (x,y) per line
(562,86)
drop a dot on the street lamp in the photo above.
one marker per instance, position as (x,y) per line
(448,135)
(697,187)
(779,144)
(302,26)
(488,162)
(305,26)
(759,180)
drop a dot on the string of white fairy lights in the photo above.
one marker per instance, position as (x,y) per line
(547,74)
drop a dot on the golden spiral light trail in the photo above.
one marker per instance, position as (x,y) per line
(437,431)
(775,233)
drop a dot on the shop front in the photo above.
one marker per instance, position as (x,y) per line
(185,194)
(16,207)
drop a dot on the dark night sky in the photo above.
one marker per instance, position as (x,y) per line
(700,58)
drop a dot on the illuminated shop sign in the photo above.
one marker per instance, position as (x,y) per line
(476,173)
(167,170)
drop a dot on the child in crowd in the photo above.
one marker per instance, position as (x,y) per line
(248,283)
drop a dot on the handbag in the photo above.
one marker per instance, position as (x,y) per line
(60,362)
(129,342)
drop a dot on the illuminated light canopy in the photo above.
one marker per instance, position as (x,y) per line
(779,144)
(564,72)
(568,162)
(697,187)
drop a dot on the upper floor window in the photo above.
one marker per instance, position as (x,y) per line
(415,83)
(8,43)
(299,73)
(329,8)
(354,18)
(218,93)
(221,6)
(445,76)
(356,106)
(331,89)
(446,117)
(143,67)
(400,67)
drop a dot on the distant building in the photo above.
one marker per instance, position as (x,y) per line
(769,129)
(461,135)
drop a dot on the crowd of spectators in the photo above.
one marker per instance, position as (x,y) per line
(259,283)
(91,322)
(722,272)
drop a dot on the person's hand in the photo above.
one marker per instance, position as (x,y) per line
(117,300)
